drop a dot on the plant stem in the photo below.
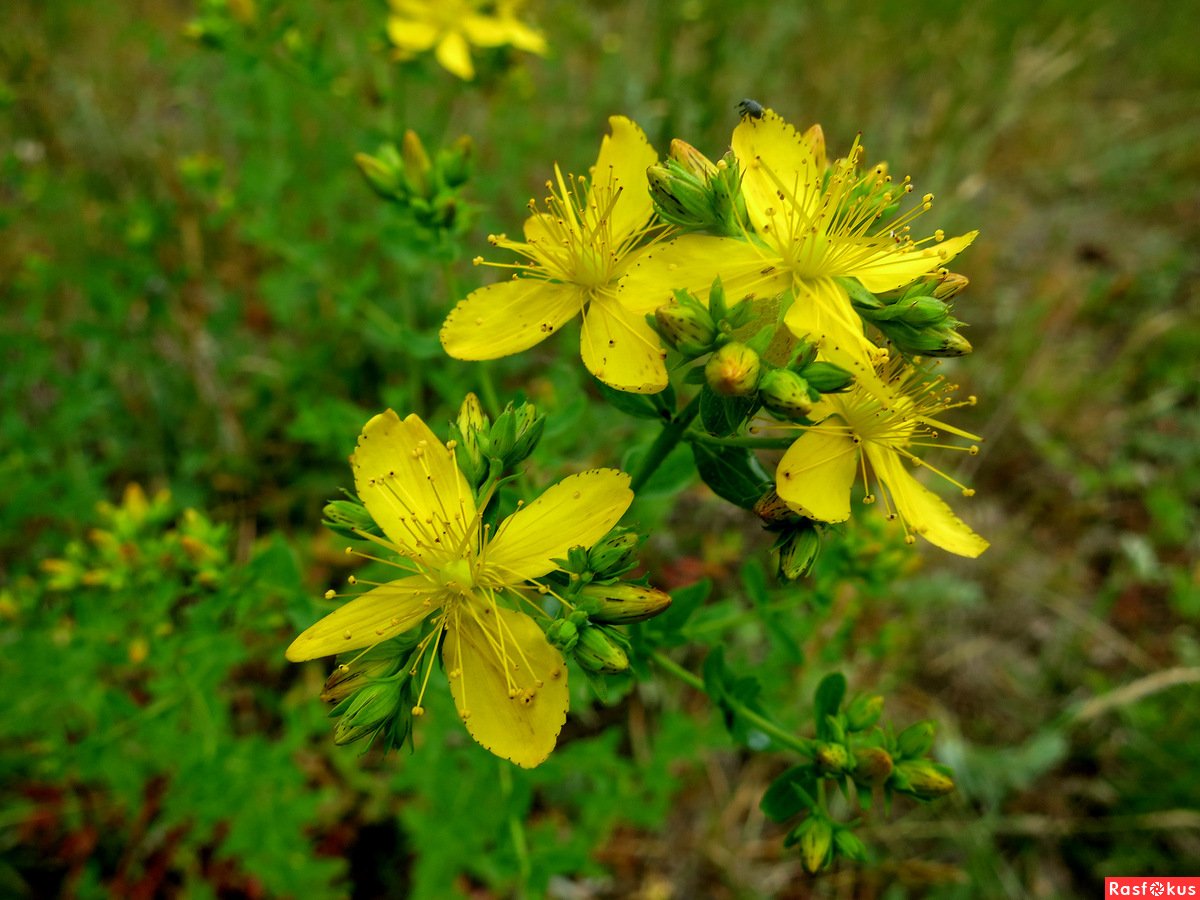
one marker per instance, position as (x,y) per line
(671,434)
(516,830)
(801,745)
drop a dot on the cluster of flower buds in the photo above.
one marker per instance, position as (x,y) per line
(851,748)
(693,328)
(917,318)
(373,698)
(485,449)
(692,192)
(429,189)
(792,391)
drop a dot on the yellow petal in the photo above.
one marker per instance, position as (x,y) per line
(454,54)
(923,511)
(377,615)
(576,512)
(484,31)
(776,159)
(821,312)
(624,157)
(508,317)
(621,349)
(514,711)
(415,37)
(817,472)
(889,269)
(411,485)
(691,263)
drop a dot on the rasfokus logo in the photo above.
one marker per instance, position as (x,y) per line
(1146,886)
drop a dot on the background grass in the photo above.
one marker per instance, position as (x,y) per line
(201,295)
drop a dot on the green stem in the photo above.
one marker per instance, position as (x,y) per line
(666,441)
(801,745)
(516,830)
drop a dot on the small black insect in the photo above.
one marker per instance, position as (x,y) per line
(752,108)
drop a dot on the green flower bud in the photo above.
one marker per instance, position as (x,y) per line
(728,203)
(349,519)
(528,427)
(613,555)
(826,377)
(455,163)
(680,197)
(916,739)
(622,604)
(347,677)
(367,711)
(922,779)
(863,712)
(947,343)
(833,759)
(815,837)
(384,173)
(472,427)
(784,392)
(689,329)
(417,166)
(563,634)
(598,651)
(798,549)
(872,766)
(733,370)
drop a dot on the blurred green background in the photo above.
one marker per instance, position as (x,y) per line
(202,297)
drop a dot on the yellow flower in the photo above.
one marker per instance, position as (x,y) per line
(809,224)
(576,253)
(889,411)
(479,586)
(450,27)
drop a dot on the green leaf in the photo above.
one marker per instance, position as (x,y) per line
(723,416)
(733,473)
(640,406)
(826,700)
(789,794)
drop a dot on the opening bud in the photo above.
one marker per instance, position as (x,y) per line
(692,160)
(622,604)
(733,370)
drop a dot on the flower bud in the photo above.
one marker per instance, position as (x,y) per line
(798,550)
(368,710)
(688,329)
(946,342)
(864,711)
(951,285)
(826,377)
(598,651)
(733,370)
(849,845)
(922,779)
(613,555)
(416,162)
(815,837)
(916,739)
(563,634)
(472,427)
(527,427)
(349,519)
(784,392)
(832,759)
(622,604)
(692,160)
(680,197)
(773,509)
(872,766)
(384,173)
(348,677)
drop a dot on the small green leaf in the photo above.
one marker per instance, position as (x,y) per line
(640,406)
(826,700)
(789,794)
(723,416)
(733,473)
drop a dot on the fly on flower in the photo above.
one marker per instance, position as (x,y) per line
(590,234)
(475,588)
(890,412)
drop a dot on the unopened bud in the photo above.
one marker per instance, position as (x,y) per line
(688,329)
(864,711)
(832,759)
(598,651)
(691,159)
(416,162)
(784,392)
(613,555)
(872,766)
(733,370)
(922,779)
(916,739)
(384,173)
(563,634)
(798,549)
(948,343)
(527,431)
(364,713)
(680,197)
(951,285)
(815,837)
(349,519)
(622,604)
